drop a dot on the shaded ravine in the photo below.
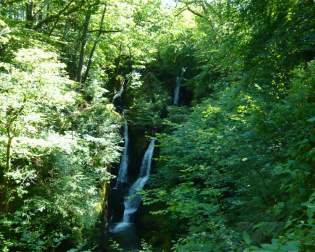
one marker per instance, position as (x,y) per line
(125,230)
(179,79)
(123,168)
(133,199)
(123,222)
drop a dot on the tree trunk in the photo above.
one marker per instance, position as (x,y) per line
(8,152)
(29,14)
(83,44)
(94,46)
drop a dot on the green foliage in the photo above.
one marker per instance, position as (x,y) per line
(149,100)
(235,171)
(54,160)
(4,34)
(246,167)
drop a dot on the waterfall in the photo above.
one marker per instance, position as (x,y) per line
(123,167)
(179,80)
(133,199)
(119,93)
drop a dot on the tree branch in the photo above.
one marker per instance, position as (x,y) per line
(197,13)
(83,44)
(57,15)
(95,45)
(105,31)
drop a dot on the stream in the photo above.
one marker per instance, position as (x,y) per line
(125,230)
(122,222)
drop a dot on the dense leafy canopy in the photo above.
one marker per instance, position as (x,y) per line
(235,168)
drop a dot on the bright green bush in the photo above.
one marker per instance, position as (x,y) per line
(54,157)
(246,168)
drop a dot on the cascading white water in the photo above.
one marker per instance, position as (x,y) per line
(133,199)
(179,80)
(123,168)
(119,93)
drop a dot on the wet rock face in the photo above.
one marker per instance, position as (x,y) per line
(132,199)
(137,175)
(136,148)
(129,217)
